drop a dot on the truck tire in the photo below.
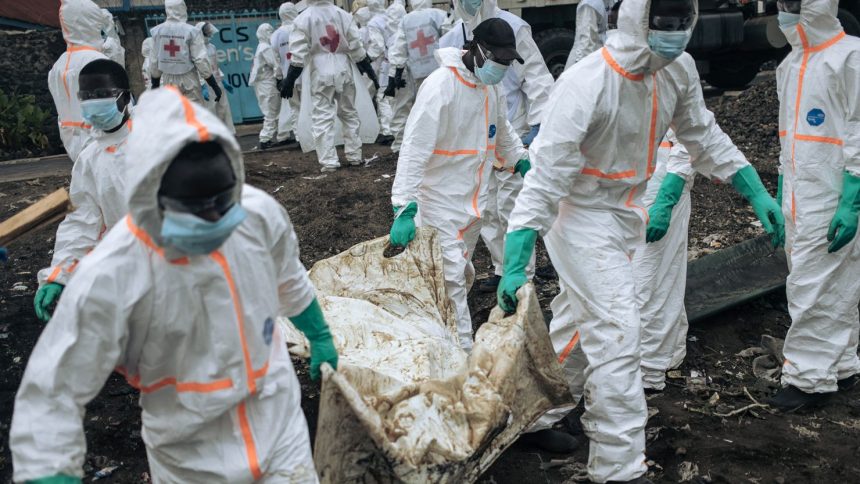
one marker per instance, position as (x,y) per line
(555,45)
(849,21)
(731,75)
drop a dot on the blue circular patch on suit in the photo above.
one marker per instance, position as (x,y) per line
(268,329)
(815,117)
(492,130)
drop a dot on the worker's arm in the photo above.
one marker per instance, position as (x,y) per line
(398,53)
(299,45)
(376,44)
(357,51)
(535,77)
(270,58)
(679,159)
(509,148)
(851,129)
(199,55)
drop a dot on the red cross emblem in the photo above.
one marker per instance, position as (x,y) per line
(172,48)
(422,42)
(332,39)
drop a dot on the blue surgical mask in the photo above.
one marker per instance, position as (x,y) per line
(491,72)
(101,113)
(194,236)
(471,6)
(668,45)
(787,20)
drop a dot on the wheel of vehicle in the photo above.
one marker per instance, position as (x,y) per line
(555,45)
(849,21)
(731,75)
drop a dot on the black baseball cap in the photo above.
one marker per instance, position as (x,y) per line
(498,37)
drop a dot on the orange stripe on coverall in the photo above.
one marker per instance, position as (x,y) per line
(653,127)
(609,176)
(147,241)
(248,438)
(190,118)
(617,68)
(460,78)
(567,349)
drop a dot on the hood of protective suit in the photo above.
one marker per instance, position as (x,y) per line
(164,123)
(376,7)
(818,21)
(301,6)
(629,43)
(82,22)
(394,13)
(420,4)
(287,12)
(176,10)
(453,57)
(487,10)
(146,47)
(109,27)
(362,16)
(201,26)
(264,33)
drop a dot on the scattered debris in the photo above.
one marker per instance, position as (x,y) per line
(105,472)
(19,287)
(805,432)
(317,177)
(687,471)
(276,190)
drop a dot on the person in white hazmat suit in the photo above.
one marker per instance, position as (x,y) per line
(111,46)
(146,52)
(411,53)
(819,92)
(605,120)
(325,40)
(221,108)
(375,42)
(97,189)
(393,14)
(265,77)
(592,20)
(457,129)
(180,57)
(214,263)
(289,115)
(82,22)
(526,88)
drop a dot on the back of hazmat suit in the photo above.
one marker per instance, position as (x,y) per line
(195,334)
(111,46)
(591,25)
(457,129)
(596,150)
(412,54)
(82,22)
(326,43)
(819,115)
(265,74)
(660,269)
(146,52)
(180,58)
(289,115)
(526,87)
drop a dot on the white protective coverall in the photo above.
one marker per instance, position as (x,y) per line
(413,47)
(596,150)
(146,52)
(219,395)
(393,14)
(591,24)
(457,129)
(112,46)
(526,87)
(819,121)
(82,22)
(97,191)
(325,41)
(375,42)
(660,269)
(180,57)
(222,107)
(280,41)
(265,73)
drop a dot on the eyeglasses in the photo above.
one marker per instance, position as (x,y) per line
(790,6)
(101,93)
(220,203)
(671,15)
(488,55)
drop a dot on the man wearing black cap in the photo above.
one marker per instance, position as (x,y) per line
(457,129)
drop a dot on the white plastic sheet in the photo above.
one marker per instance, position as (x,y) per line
(407,404)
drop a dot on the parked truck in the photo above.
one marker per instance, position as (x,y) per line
(731,41)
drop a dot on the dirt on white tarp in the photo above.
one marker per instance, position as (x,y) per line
(407,404)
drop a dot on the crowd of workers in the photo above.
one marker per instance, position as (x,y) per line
(172,271)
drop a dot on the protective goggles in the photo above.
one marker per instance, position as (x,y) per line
(220,203)
(672,15)
(101,93)
(789,6)
(488,55)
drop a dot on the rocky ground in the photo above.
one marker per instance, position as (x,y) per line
(707,426)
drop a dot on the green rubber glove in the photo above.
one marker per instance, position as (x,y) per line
(58,479)
(312,323)
(779,191)
(523,166)
(660,213)
(403,228)
(519,246)
(843,227)
(748,184)
(45,296)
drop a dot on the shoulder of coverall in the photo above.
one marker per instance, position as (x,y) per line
(82,22)
(819,22)
(514,21)
(165,122)
(488,9)
(597,5)
(420,4)
(452,57)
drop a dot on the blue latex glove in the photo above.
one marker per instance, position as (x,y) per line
(205,92)
(527,139)
(227,86)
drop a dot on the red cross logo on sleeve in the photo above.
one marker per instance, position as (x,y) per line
(332,38)
(422,42)
(172,48)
